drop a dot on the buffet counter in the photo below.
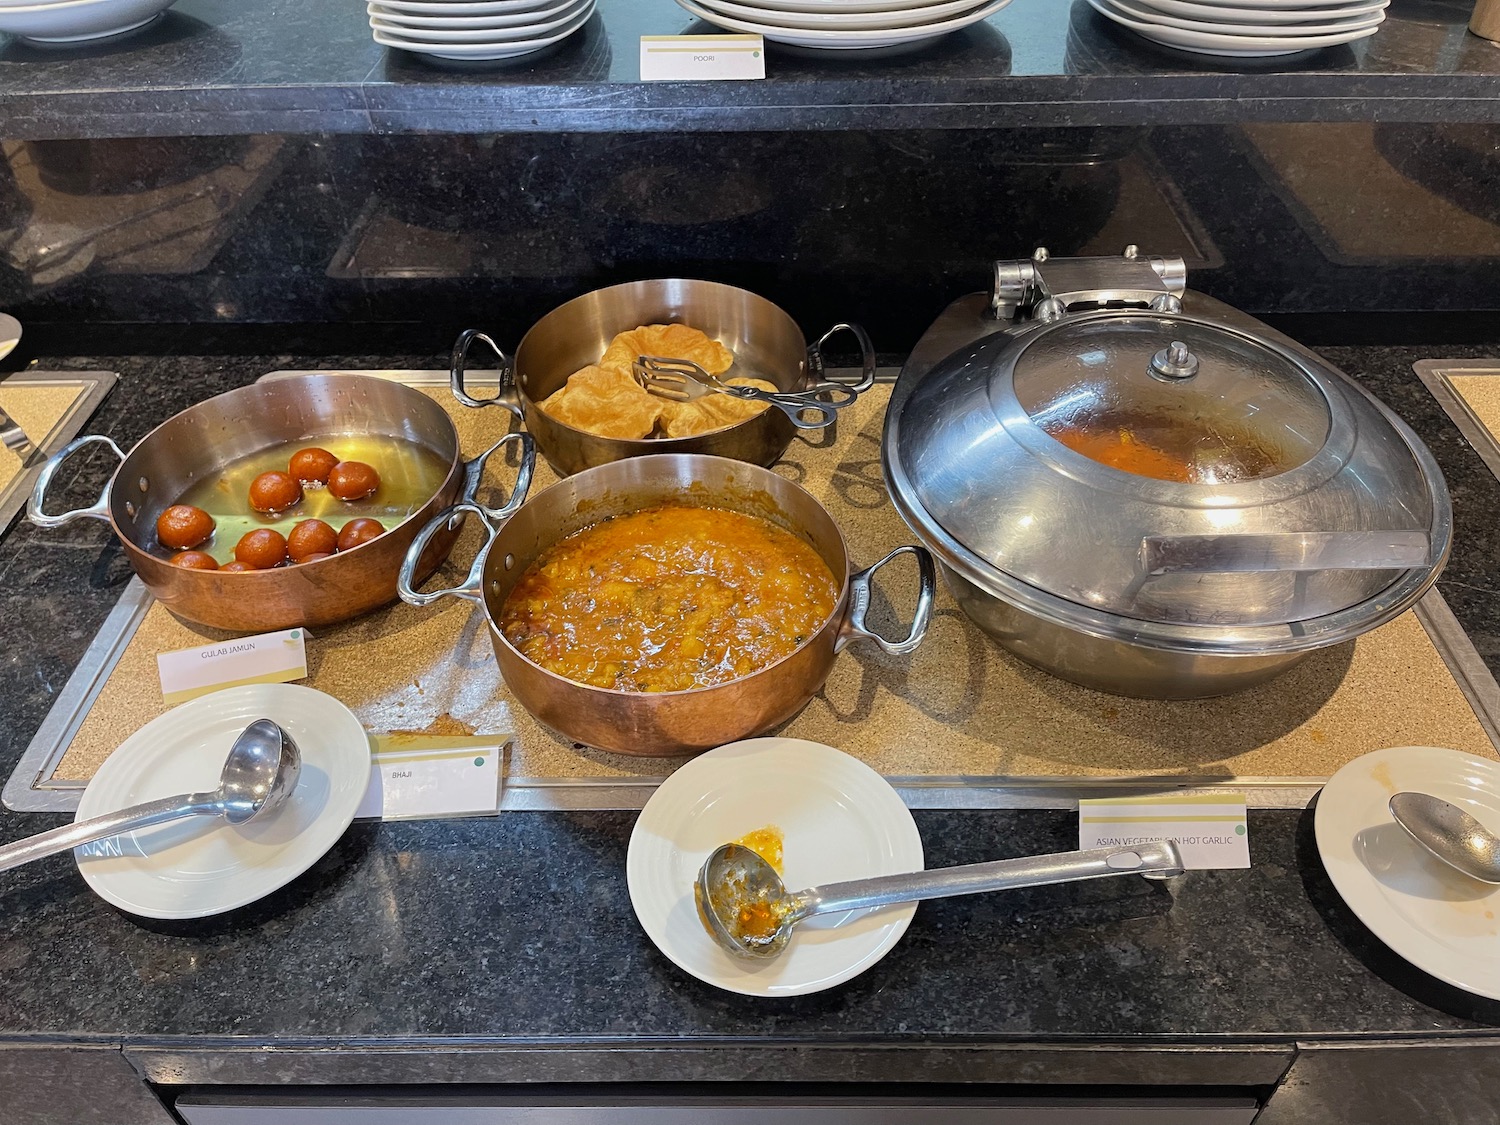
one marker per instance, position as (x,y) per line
(497,955)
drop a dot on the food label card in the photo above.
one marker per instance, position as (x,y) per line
(271,658)
(415,776)
(1210,829)
(687,58)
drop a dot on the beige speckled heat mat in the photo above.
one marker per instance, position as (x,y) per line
(37,408)
(958,707)
(1481,393)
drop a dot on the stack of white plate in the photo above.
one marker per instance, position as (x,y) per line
(476,30)
(1247,28)
(844,24)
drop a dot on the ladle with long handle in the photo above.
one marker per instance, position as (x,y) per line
(259,774)
(750,913)
(1449,833)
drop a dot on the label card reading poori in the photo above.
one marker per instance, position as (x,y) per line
(1210,829)
(709,58)
(271,658)
(420,776)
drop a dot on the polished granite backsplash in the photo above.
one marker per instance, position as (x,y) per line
(879,226)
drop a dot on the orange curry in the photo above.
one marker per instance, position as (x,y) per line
(669,598)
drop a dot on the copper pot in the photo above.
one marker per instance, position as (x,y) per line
(678,722)
(766,343)
(199,442)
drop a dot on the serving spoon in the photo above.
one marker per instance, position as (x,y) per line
(749,912)
(258,776)
(1449,833)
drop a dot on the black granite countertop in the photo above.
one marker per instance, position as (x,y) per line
(294,66)
(517,931)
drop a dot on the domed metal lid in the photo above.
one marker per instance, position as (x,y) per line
(1163,468)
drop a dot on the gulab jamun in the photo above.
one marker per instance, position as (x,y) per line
(195,560)
(311,537)
(355,532)
(312,464)
(236,566)
(261,549)
(183,526)
(353,480)
(315,558)
(274,492)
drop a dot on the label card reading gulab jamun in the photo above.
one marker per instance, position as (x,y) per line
(271,658)
(417,776)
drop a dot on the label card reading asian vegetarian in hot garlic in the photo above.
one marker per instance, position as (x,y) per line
(1210,829)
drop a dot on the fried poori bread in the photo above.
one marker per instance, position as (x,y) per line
(606,402)
(667,341)
(712,411)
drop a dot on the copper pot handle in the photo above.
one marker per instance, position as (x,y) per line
(854,628)
(506,396)
(451,519)
(98,510)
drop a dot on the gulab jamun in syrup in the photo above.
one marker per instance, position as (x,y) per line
(312,465)
(353,480)
(355,532)
(195,560)
(274,492)
(311,537)
(261,549)
(183,526)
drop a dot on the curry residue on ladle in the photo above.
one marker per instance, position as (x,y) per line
(755,919)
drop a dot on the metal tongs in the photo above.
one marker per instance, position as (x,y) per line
(682,380)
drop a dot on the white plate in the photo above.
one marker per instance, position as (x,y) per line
(845,20)
(495,36)
(813,7)
(201,866)
(509,19)
(843,40)
(1231,46)
(10,334)
(1353,23)
(1444,923)
(1211,14)
(840,820)
(73,21)
(484,52)
(456,8)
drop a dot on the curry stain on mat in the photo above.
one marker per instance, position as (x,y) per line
(957,707)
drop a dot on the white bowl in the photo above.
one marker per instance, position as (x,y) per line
(385,12)
(76,21)
(845,20)
(496,35)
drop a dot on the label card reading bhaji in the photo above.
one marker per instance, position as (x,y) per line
(271,658)
(425,776)
(1210,829)
(688,58)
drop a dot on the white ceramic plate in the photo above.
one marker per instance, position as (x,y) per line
(1212,14)
(843,40)
(846,6)
(1230,46)
(10,334)
(845,20)
(1353,23)
(484,52)
(455,8)
(840,819)
(1444,923)
(509,19)
(201,866)
(73,21)
(495,36)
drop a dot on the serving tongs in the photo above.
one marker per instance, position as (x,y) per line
(815,408)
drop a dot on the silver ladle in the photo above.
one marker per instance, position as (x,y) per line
(259,774)
(1449,833)
(749,912)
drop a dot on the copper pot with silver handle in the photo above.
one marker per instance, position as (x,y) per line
(675,722)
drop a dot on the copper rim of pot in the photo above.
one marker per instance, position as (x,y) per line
(679,722)
(213,433)
(766,341)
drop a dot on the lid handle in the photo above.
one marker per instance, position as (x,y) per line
(1291,550)
(1045,288)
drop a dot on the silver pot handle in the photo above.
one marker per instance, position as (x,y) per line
(859,604)
(506,396)
(1287,550)
(451,519)
(815,364)
(98,510)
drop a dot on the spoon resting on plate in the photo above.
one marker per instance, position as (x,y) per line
(749,912)
(258,776)
(1449,833)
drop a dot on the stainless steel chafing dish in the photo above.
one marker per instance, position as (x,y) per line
(1145,491)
